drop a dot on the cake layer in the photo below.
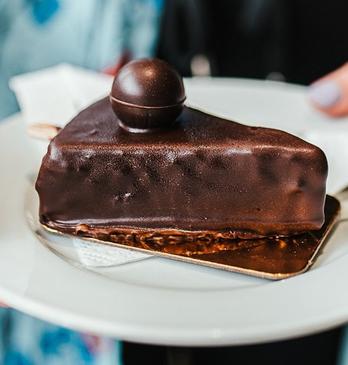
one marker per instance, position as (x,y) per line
(206,174)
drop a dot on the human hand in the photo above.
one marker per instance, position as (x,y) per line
(329,94)
(2,305)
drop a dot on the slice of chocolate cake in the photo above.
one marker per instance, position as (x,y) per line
(200,178)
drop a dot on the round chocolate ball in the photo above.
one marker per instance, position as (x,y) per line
(147,94)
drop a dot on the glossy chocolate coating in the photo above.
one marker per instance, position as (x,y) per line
(147,94)
(207,176)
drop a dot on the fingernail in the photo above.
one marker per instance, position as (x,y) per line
(325,93)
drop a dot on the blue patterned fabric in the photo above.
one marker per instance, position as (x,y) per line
(91,33)
(28,341)
(44,10)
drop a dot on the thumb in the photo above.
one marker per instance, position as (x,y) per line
(330,93)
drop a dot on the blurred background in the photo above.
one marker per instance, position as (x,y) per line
(285,40)
(288,40)
(292,40)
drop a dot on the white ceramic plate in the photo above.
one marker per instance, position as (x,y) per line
(161,301)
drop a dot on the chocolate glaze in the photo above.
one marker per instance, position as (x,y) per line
(206,175)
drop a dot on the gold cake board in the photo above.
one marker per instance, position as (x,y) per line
(268,258)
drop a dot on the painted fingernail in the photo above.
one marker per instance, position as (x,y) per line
(325,93)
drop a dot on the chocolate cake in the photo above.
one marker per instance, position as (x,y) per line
(191,177)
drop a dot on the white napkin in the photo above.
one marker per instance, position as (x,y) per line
(55,95)
(335,145)
(96,255)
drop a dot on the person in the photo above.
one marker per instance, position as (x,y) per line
(99,34)
(96,34)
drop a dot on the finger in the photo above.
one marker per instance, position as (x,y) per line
(330,93)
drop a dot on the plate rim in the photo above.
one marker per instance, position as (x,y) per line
(211,336)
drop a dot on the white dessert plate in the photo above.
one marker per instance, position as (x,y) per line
(160,301)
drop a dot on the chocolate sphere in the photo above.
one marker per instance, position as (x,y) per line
(147,94)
